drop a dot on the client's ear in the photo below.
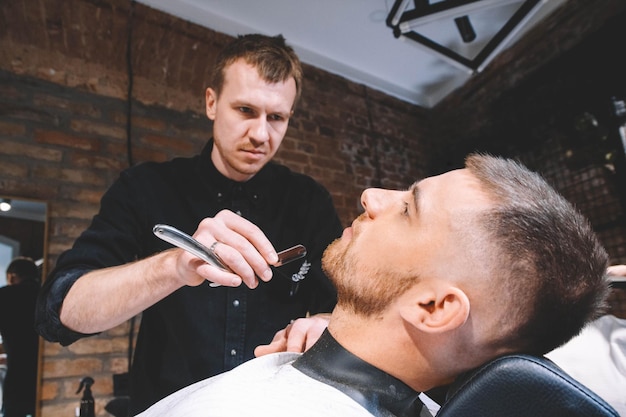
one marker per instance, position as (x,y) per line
(438,309)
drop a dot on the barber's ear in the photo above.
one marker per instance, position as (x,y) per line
(437,310)
(211,103)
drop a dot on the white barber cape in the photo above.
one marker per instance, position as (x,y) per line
(265,386)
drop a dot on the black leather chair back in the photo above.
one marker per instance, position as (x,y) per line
(522,386)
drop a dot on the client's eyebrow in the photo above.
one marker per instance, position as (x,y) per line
(416,195)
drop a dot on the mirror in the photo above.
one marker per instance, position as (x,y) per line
(23,232)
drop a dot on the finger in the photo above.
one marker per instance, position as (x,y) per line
(274,347)
(297,337)
(243,245)
(218,276)
(194,271)
(232,260)
(235,263)
(278,344)
(250,233)
(310,341)
(306,331)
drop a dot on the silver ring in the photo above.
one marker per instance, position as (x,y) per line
(212,248)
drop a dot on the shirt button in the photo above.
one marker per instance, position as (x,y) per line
(236,303)
(233,352)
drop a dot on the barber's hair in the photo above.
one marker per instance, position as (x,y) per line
(270,55)
(25,268)
(551,265)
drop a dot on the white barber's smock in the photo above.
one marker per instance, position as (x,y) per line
(327,380)
(265,386)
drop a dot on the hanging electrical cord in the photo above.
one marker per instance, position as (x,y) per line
(129,96)
(119,405)
(129,144)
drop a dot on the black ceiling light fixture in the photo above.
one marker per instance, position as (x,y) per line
(466,30)
(410,19)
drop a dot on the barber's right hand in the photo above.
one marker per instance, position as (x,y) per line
(241,246)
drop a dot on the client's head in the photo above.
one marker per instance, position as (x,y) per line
(485,260)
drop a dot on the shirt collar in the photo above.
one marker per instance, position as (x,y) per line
(225,189)
(378,392)
(209,173)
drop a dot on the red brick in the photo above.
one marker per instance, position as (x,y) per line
(96,161)
(100,129)
(11,129)
(13,169)
(50,137)
(42,100)
(29,151)
(54,368)
(78,176)
(49,390)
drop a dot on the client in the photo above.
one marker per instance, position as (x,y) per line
(432,282)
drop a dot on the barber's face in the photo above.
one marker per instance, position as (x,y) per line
(250,119)
(422,233)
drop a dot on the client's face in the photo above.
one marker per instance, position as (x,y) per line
(405,236)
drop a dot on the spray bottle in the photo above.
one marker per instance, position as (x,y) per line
(87,407)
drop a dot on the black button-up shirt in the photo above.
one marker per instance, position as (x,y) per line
(197,332)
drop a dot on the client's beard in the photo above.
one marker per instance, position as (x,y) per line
(365,291)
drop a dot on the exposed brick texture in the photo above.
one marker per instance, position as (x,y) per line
(63,118)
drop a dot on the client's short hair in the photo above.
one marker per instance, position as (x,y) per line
(551,266)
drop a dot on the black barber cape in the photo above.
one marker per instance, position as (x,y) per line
(378,392)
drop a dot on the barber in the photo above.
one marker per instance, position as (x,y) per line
(231,198)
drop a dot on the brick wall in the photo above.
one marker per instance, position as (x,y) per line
(63,119)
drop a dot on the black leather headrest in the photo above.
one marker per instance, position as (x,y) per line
(522,386)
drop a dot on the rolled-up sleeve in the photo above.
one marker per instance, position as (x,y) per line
(113,238)
(47,314)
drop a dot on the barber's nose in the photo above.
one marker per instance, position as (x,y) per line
(376,200)
(259,131)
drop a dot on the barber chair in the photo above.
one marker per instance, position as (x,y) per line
(521,386)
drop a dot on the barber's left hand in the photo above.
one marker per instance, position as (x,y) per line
(298,336)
